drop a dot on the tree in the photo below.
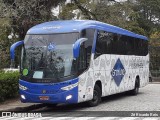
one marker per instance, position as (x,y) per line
(25,14)
(149,17)
(4,42)
(20,16)
(119,14)
(77,9)
(154,50)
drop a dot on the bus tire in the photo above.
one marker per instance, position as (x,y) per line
(96,97)
(136,88)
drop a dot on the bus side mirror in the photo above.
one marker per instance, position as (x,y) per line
(12,50)
(76,47)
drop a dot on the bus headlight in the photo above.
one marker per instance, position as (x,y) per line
(69,87)
(22,87)
(23,97)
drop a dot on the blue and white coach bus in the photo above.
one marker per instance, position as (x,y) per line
(80,60)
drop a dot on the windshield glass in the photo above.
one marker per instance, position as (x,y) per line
(49,56)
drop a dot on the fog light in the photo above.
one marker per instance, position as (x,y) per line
(23,97)
(68,97)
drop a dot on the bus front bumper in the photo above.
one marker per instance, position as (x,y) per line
(43,94)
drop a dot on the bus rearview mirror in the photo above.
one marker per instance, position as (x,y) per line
(76,47)
(12,51)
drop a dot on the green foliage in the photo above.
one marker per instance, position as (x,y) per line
(4,42)
(149,17)
(16,17)
(154,50)
(121,15)
(8,85)
(66,13)
(25,14)
(137,16)
(155,39)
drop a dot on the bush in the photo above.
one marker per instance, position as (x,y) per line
(8,85)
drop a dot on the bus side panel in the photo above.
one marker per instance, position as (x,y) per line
(144,72)
(133,66)
(139,67)
(101,69)
(114,83)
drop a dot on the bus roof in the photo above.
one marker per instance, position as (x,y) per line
(66,26)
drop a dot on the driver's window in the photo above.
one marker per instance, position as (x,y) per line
(86,47)
(82,58)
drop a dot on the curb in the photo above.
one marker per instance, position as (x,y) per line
(28,108)
(154,82)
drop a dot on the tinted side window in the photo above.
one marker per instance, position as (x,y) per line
(145,44)
(123,45)
(112,43)
(136,46)
(100,43)
(144,47)
(109,43)
(130,46)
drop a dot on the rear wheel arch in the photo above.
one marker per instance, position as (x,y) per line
(136,86)
(137,80)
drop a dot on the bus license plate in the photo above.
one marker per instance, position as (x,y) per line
(44,97)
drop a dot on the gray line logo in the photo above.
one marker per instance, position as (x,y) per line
(6,114)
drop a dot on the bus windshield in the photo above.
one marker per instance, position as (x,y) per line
(48,56)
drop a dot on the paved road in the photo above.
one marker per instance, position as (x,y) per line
(148,99)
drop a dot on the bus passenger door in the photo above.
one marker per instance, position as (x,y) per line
(86,78)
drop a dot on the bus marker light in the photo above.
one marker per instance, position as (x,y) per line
(68,97)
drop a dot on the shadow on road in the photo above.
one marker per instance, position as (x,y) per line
(82,106)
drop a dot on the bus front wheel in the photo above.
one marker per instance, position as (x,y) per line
(96,97)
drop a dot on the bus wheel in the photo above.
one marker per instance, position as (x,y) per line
(136,88)
(96,97)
